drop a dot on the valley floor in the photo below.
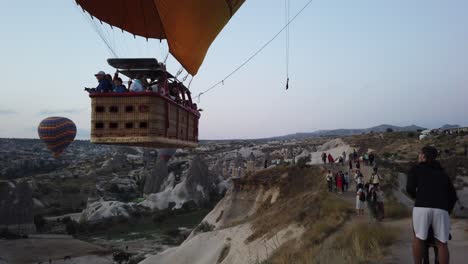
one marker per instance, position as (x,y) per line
(55,248)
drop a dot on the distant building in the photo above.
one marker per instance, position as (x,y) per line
(451,131)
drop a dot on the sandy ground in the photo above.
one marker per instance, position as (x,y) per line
(36,250)
(400,252)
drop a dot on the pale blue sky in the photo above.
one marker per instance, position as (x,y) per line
(353,64)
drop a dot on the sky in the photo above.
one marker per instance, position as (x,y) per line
(353,64)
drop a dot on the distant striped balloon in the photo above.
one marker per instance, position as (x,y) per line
(57,133)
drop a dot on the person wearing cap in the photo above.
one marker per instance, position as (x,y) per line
(435,197)
(104,85)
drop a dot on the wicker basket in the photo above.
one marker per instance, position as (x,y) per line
(142,119)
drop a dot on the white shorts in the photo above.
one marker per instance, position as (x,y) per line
(424,217)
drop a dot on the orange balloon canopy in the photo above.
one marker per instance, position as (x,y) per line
(190,26)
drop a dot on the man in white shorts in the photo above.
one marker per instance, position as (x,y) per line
(435,198)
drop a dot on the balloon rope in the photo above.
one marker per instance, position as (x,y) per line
(257,52)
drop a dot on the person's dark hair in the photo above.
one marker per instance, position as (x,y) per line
(119,79)
(430,153)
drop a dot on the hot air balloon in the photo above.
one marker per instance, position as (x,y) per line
(57,133)
(189,26)
(165,117)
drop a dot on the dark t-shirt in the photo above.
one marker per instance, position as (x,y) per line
(104,86)
(431,187)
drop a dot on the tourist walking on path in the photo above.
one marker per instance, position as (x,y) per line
(336,181)
(435,198)
(360,200)
(339,182)
(344,156)
(380,203)
(346,182)
(371,199)
(350,164)
(354,155)
(330,158)
(359,178)
(358,164)
(365,158)
(371,159)
(330,181)
(375,178)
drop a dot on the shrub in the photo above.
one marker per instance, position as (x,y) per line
(302,162)
(389,130)
(204,227)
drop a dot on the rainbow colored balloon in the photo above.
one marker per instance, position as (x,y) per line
(57,133)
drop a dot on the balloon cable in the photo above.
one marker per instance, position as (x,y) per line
(257,52)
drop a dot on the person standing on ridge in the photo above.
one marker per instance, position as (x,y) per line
(435,197)
(330,158)
(324,158)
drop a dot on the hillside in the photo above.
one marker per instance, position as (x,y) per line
(284,214)
(346,132)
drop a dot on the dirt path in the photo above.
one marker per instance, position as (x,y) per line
(400,252)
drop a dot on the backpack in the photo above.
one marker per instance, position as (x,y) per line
(362,196)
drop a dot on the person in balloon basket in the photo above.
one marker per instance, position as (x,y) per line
(118,86)
(137,85)
(435,197)
(104,85)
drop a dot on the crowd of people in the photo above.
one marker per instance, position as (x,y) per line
(109,84)
(370,193)
(367,191)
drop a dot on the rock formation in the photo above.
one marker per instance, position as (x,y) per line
(155,177)
(16,207)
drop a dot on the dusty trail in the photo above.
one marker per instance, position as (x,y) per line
(400,252)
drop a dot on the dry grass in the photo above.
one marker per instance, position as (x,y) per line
(396,210)
(303,200)
(362,242)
